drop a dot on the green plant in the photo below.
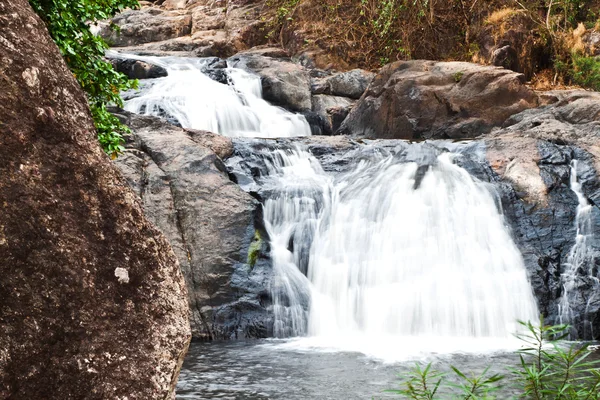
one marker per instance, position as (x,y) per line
(69,25)
(458,76)
(254,249)
(549,369)
(424,384)
(586,71)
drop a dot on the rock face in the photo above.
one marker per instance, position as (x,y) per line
(350,84)
(93,301)
(204,28)
(426,99)
(210,222)
(147,25)
(533,156)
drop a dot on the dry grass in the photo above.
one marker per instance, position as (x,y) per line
(502,15)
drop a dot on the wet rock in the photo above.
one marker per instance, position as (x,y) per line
(426,99)
(146,25)
(210,222)
(284,83)
(93,300)
(350,84)
(135,69)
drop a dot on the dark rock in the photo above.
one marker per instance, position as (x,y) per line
(506,57)
(350,84)
(135,69)
(426,99)
(284,83)
(210,222)
(93,301)
(332,110)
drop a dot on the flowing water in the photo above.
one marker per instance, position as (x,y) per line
(391,258)
(580,254)
(192,99)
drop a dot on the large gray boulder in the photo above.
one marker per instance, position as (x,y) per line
(93,303)
(350,84)
(210,222)
(426,99)
(284,83)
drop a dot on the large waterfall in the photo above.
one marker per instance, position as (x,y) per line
(394,251)
(399,251)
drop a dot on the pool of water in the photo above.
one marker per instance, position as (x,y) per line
(274,369)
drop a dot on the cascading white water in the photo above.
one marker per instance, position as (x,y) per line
(196,101)
(580,254)
(395,257)
(299,186)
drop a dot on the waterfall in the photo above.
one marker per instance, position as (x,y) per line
(194,100)
(391,250)
(580,255)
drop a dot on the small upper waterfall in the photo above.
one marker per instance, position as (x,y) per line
(580,255)
(392,249)
(194,100)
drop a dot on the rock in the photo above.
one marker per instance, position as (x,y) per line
(146,25)
(332,110)
(437,100)
(506,57)
(93,300)
(284,83)
(350,84)
(209,221)
(591,41)
(135,69)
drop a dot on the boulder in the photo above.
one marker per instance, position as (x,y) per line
(93,300)
(146,25)
(350,84)
(438,100)
(332,110)
(136,69)
(284,83)
(210,222)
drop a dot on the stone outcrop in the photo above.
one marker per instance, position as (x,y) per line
(200,28)
(350,84)
(210,222)
(93,301)
(427,100)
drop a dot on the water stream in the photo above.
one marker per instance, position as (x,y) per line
(189,97)
(579,261)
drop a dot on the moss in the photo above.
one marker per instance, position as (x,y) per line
(458,76)
(254,249)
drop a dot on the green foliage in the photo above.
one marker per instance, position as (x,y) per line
(424,384)
(254,249)
(586,71)
(458,76)
(548,369)
(69,25)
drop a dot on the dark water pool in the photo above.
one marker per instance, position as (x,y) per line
(268,370)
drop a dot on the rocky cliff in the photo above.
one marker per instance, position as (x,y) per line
(93,300)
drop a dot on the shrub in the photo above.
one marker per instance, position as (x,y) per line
(69,25)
